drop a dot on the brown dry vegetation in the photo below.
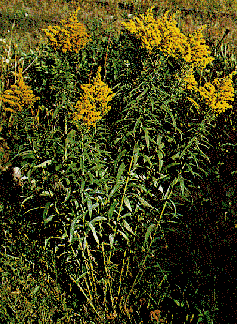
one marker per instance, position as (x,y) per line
(32,15)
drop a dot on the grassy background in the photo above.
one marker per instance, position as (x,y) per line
(31,16)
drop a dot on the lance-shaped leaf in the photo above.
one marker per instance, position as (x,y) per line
(68,190)
(127,203)
(44,164)
(115,188)
(128,227)
(135,155)
(89,205)
(72,229)
(46,210)
(120,172)
(97,219)
(147,138)
(144,202)
(94,233)
(149,231)
(124,235)
(111,240)
(181,181)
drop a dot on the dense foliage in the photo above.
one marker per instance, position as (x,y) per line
(112,134)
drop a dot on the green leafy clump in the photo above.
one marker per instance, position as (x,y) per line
(111,151)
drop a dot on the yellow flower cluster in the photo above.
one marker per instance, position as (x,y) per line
(188,80)
(70,36)
(94,101)
(19,96)
(163,34)
(218,94)
(199,50)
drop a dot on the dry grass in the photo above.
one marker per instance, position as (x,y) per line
(32,15)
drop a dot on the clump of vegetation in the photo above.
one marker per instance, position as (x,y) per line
(108,166)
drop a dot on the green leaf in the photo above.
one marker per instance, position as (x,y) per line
(147,138)
(144,202)
(112,209)
(177,302)
(173,119)
(48,219)
(159,143)
(35,290)
(170,165)
(135,154)
(152,104)
(160,157)
(119,158)
(115,188)
(147,159)
(72,229)
(46,193)
(136,125)
(68,194)
(111,240)
(46,210)
(82,186)
(120,172)
(70,136)
(182,187)
(56,112)
(127,226)
(27,155)
(117,140)
(176,156)
(89,205)
(124,235)
(148,232)
(44,164)
(98,219)
(58,167)
(127,203)
(142,94)
(94,233)
(80,277)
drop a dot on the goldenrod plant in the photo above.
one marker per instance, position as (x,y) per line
(163,34)
(19,96)
(219,93)
(166,37)
(15,97)
(94,102)
(70,36)
(111,171)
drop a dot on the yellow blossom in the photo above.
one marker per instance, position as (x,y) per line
(19,96)
(200,55)
(70,36)
(218,94)
(93,104)
(188,80)
(163,34)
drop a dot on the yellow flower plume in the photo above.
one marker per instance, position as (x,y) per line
(218,94)
(70,36)
(163,34)
(19,96)
(93,104)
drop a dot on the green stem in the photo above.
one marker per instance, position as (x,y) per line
(66,141)
(142,264)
